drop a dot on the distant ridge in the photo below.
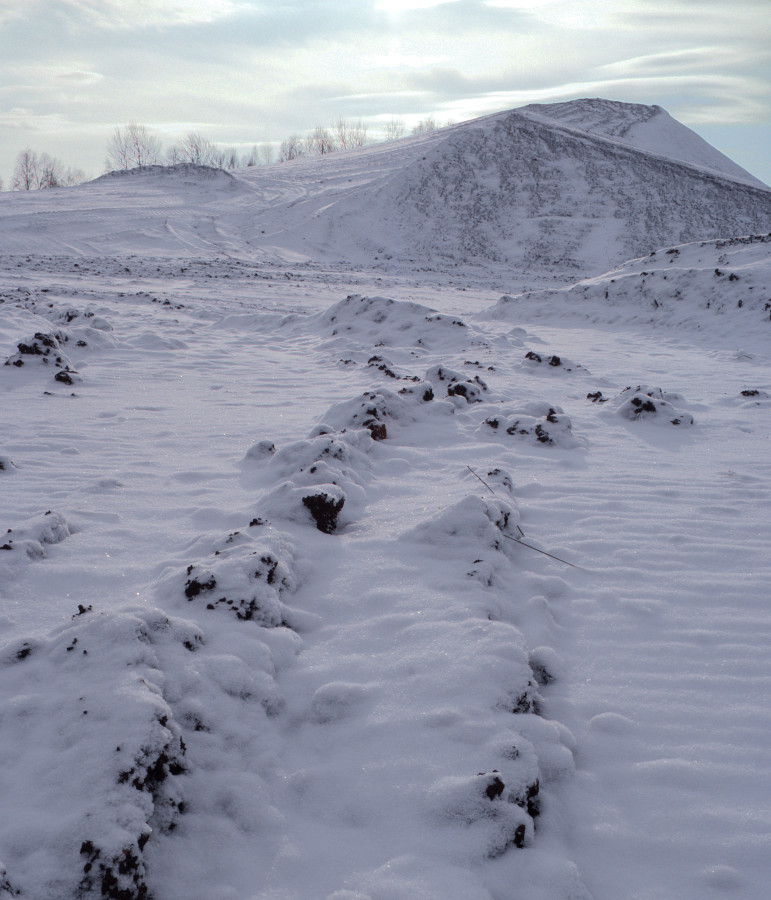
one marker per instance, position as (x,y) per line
(564,190)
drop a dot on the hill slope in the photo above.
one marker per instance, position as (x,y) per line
(567,190)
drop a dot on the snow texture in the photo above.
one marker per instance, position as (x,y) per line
(392,524)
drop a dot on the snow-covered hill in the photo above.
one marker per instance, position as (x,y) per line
(357,580)
(566,191)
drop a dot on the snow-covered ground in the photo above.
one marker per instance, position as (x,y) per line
(327,576)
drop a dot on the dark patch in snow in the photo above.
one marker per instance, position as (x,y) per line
(325,510)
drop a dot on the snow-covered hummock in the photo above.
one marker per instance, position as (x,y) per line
(321,582)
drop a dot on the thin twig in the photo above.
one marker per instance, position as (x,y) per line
(480,479)
(517,540)
(550,555)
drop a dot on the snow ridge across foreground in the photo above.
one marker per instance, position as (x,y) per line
(377,579)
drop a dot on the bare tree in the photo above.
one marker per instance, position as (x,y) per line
(358,133)
(266,154)
(292,148)
(50,172)
(173,155)
(321,141)
(342,134)
(349,135)
(426,126)
(25,172)
(132,146)
(395,129)
(231,159)
(71,177)
(197,149)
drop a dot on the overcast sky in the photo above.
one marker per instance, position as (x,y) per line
(251,71)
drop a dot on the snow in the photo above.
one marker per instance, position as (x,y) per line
(443,576)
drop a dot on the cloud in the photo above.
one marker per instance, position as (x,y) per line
(74,77)
(120,15)
(255,70)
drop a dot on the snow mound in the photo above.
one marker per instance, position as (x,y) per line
(452,383)
(247,575)
(643,403)
(322,475)
(28,541)
(376,410)
(7,464)
(478,522)
(536,422)
(392,323)
(517,190)
(181,173)
(44,348)
(88,719)
(668,287)
(493,815)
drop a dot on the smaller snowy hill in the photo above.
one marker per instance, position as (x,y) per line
(692,286)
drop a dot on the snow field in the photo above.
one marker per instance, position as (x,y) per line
(229,701)
(326,571)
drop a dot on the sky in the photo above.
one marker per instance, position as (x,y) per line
(245,72)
